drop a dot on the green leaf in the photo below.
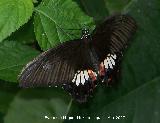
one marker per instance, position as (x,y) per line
(14,13)
(32,105)
(7,93)
(136,95)
(24,34)
(13,57)
(57,21)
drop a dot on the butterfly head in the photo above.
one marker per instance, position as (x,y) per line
(85,33)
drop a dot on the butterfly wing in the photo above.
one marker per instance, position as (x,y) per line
(62,66)
(53,67)
(82,85)
(109,40)
(113,35)
(59,66)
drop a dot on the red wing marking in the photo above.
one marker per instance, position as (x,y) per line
(92,75)
(101,69)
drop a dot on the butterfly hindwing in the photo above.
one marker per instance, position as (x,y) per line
(110,39)
(82,85)
(110,69)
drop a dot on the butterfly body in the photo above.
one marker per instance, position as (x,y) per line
(78,65)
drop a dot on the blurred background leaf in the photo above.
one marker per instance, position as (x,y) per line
(94,8)
(114,6)
(13,15)
(7,93)
(32,105)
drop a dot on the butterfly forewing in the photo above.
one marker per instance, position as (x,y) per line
(53,67)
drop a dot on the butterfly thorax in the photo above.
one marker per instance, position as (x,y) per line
(91,58)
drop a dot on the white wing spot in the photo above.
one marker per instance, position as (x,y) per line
(47,67)
(86,76)
(74,79)
(109,62)
(114,56)
(78,80)
(80,77)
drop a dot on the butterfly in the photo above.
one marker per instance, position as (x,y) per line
(79,65)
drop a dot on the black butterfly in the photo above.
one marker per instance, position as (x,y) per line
(78,65)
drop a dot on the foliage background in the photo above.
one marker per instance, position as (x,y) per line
(28,27)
